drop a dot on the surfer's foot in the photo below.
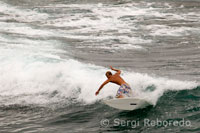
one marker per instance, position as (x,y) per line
(120,96)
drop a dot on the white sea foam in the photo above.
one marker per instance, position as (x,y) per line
(163,30)
(122,46)
(23,29)
(22,15)
(100,19)
(45,83)
(104,21)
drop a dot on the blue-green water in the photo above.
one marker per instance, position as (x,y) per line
(54,54)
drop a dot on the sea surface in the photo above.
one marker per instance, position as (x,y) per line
(54,55)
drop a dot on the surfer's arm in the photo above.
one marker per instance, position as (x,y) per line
(104,83)
(117,70)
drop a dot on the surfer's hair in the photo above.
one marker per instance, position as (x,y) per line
(108,73)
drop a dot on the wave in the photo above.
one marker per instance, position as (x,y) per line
(44,83)
(32,72)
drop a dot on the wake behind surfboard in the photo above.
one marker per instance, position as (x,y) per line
(128,103)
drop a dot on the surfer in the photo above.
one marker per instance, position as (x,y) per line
(124,89)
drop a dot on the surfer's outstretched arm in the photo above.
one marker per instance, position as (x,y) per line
(117,70)
(104,83)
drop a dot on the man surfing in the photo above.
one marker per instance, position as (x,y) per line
(124,89)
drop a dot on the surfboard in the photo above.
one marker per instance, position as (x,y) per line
(128,103)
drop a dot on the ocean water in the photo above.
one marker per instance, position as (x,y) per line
(54,54)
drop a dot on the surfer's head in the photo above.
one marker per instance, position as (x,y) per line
(108,74)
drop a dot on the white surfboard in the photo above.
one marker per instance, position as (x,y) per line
(128,103)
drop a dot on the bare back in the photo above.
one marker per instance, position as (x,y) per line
(117,79)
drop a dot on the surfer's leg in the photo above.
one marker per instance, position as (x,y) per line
(119,92)
(127,90)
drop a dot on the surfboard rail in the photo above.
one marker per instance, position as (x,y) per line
(128,103)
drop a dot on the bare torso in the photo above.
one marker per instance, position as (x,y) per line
(117,79)
(112,78)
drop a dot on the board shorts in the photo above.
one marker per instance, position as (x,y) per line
(124,90)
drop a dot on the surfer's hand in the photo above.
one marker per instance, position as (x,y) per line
(97,93)
(111,67)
